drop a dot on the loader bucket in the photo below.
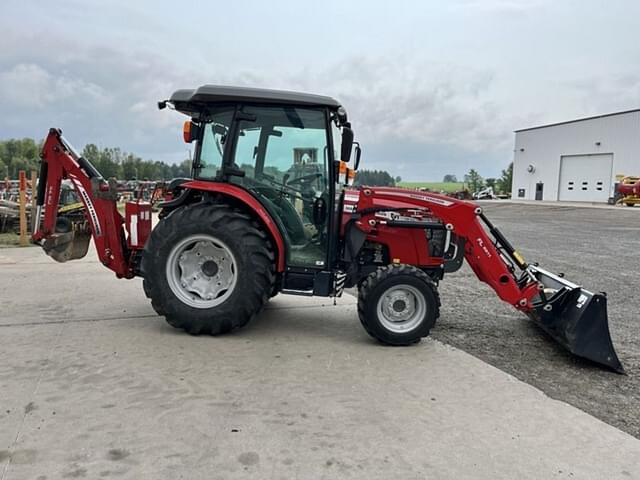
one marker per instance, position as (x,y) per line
(575,318)
(63,247)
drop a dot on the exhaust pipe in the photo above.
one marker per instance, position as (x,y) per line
(575,318)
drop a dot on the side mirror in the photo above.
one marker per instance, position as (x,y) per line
(356,161)
(347,144)
(218,129)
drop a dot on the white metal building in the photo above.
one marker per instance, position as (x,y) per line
(576,160)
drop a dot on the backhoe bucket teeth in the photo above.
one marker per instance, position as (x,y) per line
(575,318)
(63,247)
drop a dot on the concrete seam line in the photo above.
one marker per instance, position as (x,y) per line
(33,394)
(78,320)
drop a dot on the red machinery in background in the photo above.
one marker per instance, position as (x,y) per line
(628,191)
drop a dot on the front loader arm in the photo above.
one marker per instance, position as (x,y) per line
(465,219)
(60,161)
(574,317)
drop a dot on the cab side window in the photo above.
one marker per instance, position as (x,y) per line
(213,142)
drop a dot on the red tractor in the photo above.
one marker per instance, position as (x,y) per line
(268,210)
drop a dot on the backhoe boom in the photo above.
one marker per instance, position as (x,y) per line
(105,224)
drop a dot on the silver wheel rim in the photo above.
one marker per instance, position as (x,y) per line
(201,271)
(401,308)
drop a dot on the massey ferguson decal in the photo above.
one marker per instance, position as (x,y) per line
(424,198)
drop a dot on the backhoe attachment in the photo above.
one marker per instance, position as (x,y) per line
(66,237)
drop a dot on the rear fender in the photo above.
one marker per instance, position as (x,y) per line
(251,204)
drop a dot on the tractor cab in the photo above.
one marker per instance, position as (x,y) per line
(286,149)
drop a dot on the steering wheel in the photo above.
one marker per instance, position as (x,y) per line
(279,186)
(304,179)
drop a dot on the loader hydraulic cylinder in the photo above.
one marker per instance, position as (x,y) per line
(504,243)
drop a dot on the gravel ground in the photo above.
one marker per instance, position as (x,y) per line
(594,247)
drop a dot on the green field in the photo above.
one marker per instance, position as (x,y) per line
(434,186)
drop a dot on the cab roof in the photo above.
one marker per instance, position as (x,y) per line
(191,100)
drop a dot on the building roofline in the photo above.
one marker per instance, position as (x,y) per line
(578,120)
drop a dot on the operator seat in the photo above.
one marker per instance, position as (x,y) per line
(283,209)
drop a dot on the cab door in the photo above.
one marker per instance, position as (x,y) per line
(284,154)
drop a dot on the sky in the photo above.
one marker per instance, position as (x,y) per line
(432,88)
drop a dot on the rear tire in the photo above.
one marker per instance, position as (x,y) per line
(208,269)
(398,304)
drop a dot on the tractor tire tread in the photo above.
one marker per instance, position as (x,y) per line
(368,285)
(249,301)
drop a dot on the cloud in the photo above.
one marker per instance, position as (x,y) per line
(425,83)
(96,93)
(598,93)
(400,99)
(108,96)
(29,86)
(509,7)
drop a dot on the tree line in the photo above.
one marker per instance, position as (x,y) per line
(474,181)
(24,154)
(375,178)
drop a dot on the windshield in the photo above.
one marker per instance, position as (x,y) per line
(282,145)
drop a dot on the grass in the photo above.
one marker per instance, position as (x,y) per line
(9,240)
(435,186)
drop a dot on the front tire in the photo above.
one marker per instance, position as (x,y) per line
(398,304)
(208,268)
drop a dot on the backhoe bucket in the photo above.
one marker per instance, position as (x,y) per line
(63,247)
(575,318)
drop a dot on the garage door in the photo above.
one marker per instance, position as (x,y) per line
(585,178)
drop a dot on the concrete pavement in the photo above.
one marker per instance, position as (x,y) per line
(94,385)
